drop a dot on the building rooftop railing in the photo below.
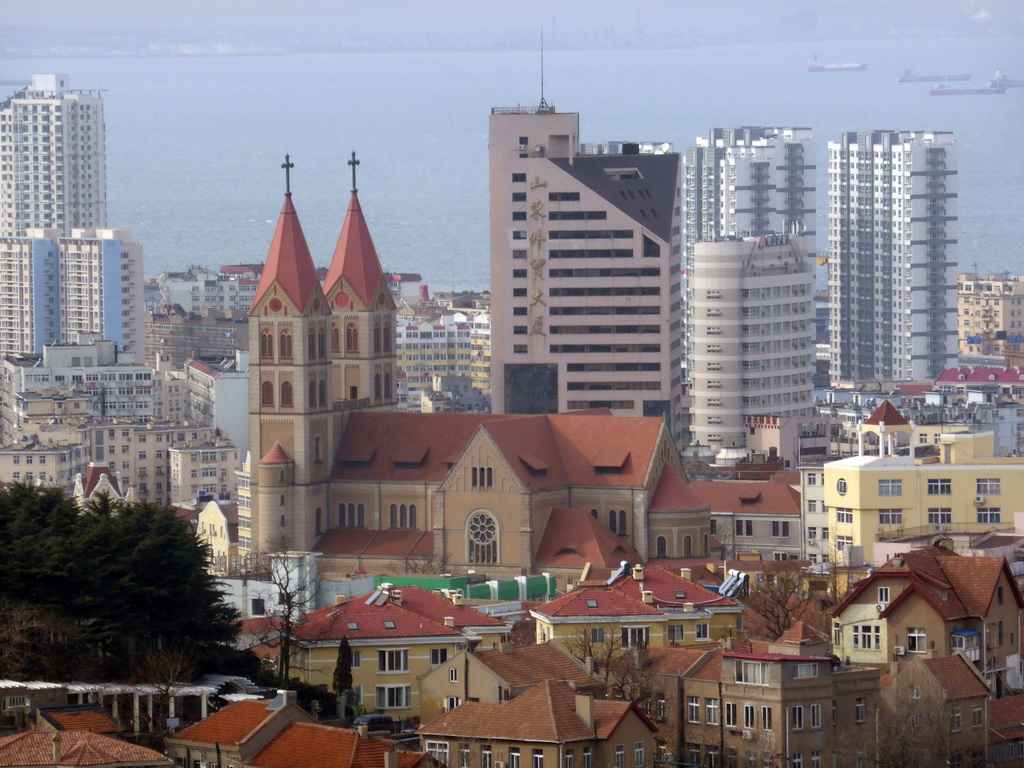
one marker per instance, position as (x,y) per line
(543,109)
(936,528)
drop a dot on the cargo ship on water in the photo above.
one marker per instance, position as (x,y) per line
(944,90)
(909,76)
(816,67)
(1002,80)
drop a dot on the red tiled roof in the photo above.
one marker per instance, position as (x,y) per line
(1006,716)
(670,590)
(801,633)
(545,713)
(322,746)
(534,664)
(77,748)
(574,537)
(380,543)
(673,660)
(748,497)
(710,669)
(956,675)
(94,473)
(887,413)
(276,455)
(289,263)
(86,717)
(437,607)
(356,620)
(597,602)
(355,259)
(229,726)
(673,493)
(980,375)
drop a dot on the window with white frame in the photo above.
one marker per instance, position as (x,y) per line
(940,515)
(860,709)
(812,505)
(989,515)
(883,595)
(730,714)
(693,709)
(844,515)
(453,675)
(866,637)
(796,718)
(806,670)
(393,696)
(940,486)
(988,486)
(748,716)
(450,703)
(890,487)
(711,711)
(620,756)
(815,715)
(812,533)
(538,758)
(766,718)
(635,637)
(393,661)
(751,672)
(487,758)
(438,750)
(597,635)
(702,631)
(513,757)
(890,517)
(638,755)
(917,640)
(438,656)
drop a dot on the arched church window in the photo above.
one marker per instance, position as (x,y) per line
(613,520)
(376,337)
(322,394)
(312,394)
(687,546)
(387,337)
(376,386)
(311,345)
(351,515)
(335,339)
(593,513)
(286,394)
(394,515)
(316,449)
(661,547)
(321,344)
(319,522)
(482,538)
(490,477)
(266,393)
(266,344)
(387,386)
(412,515)
(622,522)
(403,519)
(341,515)
(351,338)
(286,344)
(360,516)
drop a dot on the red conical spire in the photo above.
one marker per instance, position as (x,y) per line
(289,263)
(355,258)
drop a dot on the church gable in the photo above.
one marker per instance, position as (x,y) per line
(276,303)
(482,467)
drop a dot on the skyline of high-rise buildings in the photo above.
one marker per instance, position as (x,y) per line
(52,158)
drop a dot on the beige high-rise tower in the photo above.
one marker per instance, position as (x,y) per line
(585,258)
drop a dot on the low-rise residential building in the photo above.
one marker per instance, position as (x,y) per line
(46,463)
(754,516)
(952,485)
(203,469)
(1005,723)
(199,288)
(310,745)
(218,527)
(818,546)
(933,602)
(639,607)
(427,347)
(549,725)
(496,675)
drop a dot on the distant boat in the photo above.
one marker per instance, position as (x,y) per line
(815,67)
(908,76)
(1002,81)
(944,90)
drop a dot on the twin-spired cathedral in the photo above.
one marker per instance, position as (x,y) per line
(334,469)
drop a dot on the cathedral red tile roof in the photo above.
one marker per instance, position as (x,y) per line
(545,713)
(887,413)
(673,493)
(574,537)
(77,748)
(385,542)
(289,263)
(229,726)
(355,258)
(94,473)
(276,455)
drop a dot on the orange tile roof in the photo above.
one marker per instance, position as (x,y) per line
(382,543)
(437,607)
(748,497)
(671,591)
(357,620)
(1006,716)
(534,664)
(229,726)
(545,713)
(887,413)
(597,602)
(289,263)
(276,455)
(322,746)
(78,748)
(96,472)
(574,537)
(956,675)
(673,660)
(86,717)
(355,259)
(710,669)
(800,633)
(673,493)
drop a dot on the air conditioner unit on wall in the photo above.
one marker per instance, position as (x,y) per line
(979,500)
(748,734)
(880,607)
(899,650)
(522,147)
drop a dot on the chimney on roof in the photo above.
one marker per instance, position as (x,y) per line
(727,643)
(57,755)
(363,731)
(712,567)
(585,709)
(457,598)
(396,596)
(391,759)
(688,607)
(686,573)
(449,621)
(647,596)
(506,647)
(589,666)
(638,572)
(340,599)
(283,699)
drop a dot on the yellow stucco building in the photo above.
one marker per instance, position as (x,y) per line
(955,484)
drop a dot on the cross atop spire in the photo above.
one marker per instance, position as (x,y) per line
(287,165)
(353,162)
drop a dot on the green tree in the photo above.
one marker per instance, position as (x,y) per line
(343,668)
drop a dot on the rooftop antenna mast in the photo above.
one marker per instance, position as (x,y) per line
(543,104)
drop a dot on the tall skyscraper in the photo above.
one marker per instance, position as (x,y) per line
(892,255)
(750,346)
(750,181)
(585,258)
(52,158)
(55,289)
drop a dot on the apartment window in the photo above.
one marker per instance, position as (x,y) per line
(620,756)
(890,487)
(804,671)
(861,709)
(748,716)
(917,641)
(883,595)
(693,709)
(486,758)
(780,529)
(744,527)
(940,515)
(597,635)
(844,515)
(815,715)
(538,758)
(638,754)
(988,486)
(702,631)
(989,515)
(588,757)
(841,486)
(940,486)
(812,505)
(513,757)
(796,760)
(438,656)
(711,711)
(393,661)
(816,759)
(955,720)
(766,718)
(812,478)
(730,713)
(890,517)
(438,750)
(812,533)
(634,637)
(393,696)
(977,716)
(751,672)
(842,542)
(453,675)
(866,637)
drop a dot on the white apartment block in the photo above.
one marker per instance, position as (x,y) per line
(585,260)
(751,180)
(199,287)
(203,470)
(52,158)
(33,461)
(440,345)
(57,289)
(892,273)
(217,396)
(750,334)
